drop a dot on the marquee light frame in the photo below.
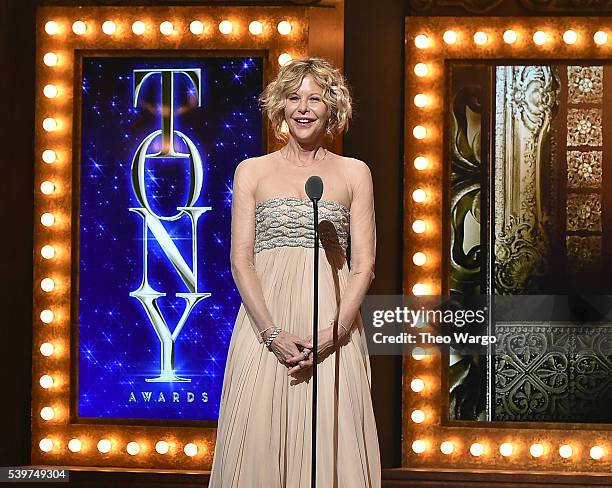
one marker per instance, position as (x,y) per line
(429,441)
(63,440)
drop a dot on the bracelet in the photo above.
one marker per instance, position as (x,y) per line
(262,332)
(272,336)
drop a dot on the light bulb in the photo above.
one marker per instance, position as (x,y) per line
(104,446)
(190,449)
(420,289)
(50,91)
(417,385)
(284,58)
(166,28)
(46,381)
(284,27)
(47,413)
(418,353)
(419,226)
(196,27)
(596,452)
(536,450)
(139,27)
(46,316)
(47,349)
(47,251)
(510,37)
(46,445)
(226,27)
(47,187)
(570,37)
(49,124)
(109,27)
(419,446)
(506,449)
(50,59)
(49,156)
(162,447)
(419,258)
(133,448)
(74,445)
(476,449)
(422,41)
(419,132)
(421,163)
(47,284)
(447,447)
(450,37)
(421,69)
(540,38)
(600,38)
(417,416)
(480,38)
(47,219)
(419,195)
(255,27)
(52,27)
(421,100)
(79,27)
(566,451)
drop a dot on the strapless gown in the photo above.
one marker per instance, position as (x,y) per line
(264,429)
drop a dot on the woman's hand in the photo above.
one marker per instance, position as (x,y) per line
(285,347)
(326,345)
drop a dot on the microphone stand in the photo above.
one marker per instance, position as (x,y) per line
(315,341)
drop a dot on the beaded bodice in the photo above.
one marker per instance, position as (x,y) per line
(288,222)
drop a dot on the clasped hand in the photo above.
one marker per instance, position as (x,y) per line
(289,349)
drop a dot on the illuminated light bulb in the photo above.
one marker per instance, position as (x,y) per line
(600,38)
(52,27)
(139,27)
(104,446)
(166,28)
(47,251)
(74,445)
(476,449)
(47,349)
(450,37)
(162,447)
(596,452)
(421,163)
(447,447)
(226,27)
(46,316)
(419,195)
(255,27)
(420,289)
(283,28)
(419,446)
(566,451)
(422,41)
(418,353)
(109,27)
(417,385)
(196,27)
(421,69)
(46,381)
(510,37)
(133,448)
(570,37)
(50,91)
(190,449)
(47,219)
(47,413)
(419,226)
(47,284)
(49,156)
(47,187)
(536,450)
(481,38)
(506,449)
(419,132)
(50,59)
(419,258)
(46,445)
(284,58)
(79,27)
(540,38)
(421,100)
(417,416)
(49,124)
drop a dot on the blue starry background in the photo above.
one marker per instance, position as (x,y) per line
(118,347)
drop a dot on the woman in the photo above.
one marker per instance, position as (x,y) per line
(264,430)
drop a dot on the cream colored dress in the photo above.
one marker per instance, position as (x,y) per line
(264,430)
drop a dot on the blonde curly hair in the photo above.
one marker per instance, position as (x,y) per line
(336,94)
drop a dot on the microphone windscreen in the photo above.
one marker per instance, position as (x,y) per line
(314,187)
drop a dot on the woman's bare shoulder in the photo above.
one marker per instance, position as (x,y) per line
(254,168)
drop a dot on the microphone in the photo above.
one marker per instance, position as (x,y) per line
(314,187)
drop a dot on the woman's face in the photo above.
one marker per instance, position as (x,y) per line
(306,113)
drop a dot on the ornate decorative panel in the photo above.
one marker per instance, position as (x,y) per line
(584,169)
(585,84)
(584,127)
(584,212)
(583,253)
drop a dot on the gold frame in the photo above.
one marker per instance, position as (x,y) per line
(60,328)
(535,446)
